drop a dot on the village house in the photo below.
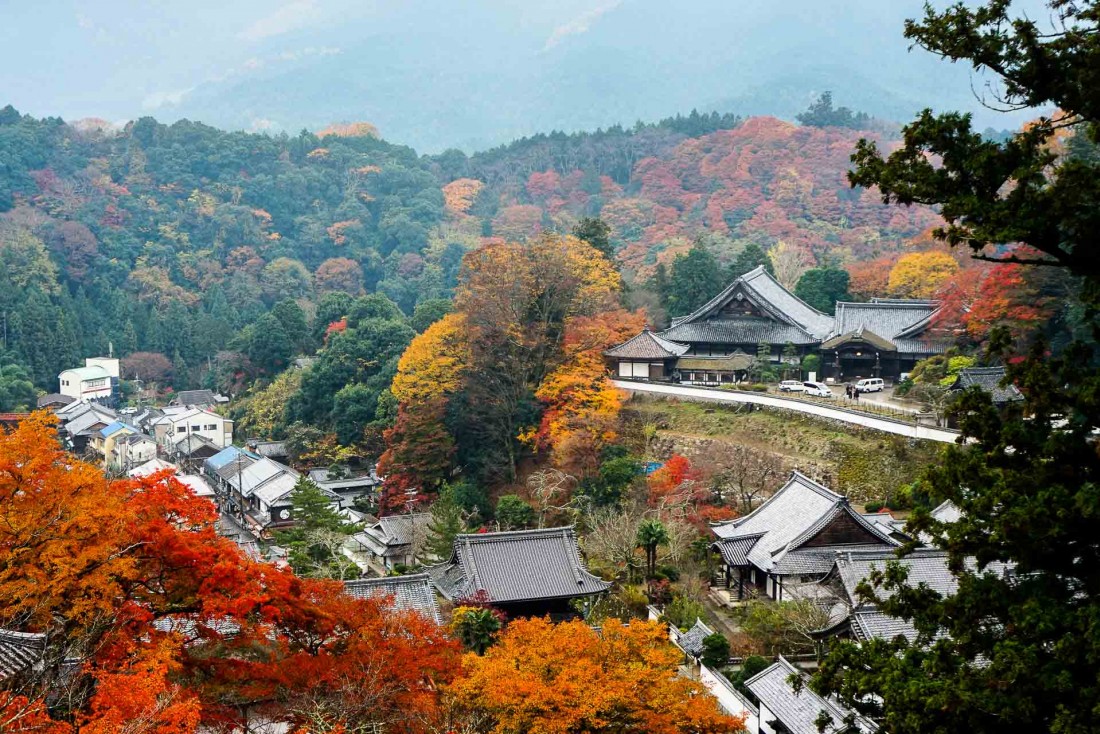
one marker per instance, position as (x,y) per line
(403,593)
(96,380)
(524,573)
(176,423)
(198,399)
(102,441)
(351,486)
(255,490)
(392,541)
(792,539)
(225,465)
(130,450)
(991,380)
(151,467)
(192,450)
(81,421)
(720,341)
(53,401)
(269,449)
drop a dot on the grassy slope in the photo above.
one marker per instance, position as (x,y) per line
(866,465)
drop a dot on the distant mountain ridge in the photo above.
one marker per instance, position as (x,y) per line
(442,86)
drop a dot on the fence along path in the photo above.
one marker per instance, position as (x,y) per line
(854,417)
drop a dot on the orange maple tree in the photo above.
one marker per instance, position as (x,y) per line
(549,678)
(154,623)
(582,406)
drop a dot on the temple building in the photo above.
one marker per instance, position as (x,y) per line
(720,341)
(524,573)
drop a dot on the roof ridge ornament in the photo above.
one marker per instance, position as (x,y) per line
(473,564)
(571,552)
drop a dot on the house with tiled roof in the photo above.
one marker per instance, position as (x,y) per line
(81,421)
(406,593)
(192,450)
(990,379)
(719,341)
(860,620)
(54,400)
(792,539)
(392,541)
(646,356)
(151,467)
(781,709)
(198,399)
(353,486)
(523,572)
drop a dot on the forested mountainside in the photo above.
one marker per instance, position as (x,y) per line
(172,240)
(761,181)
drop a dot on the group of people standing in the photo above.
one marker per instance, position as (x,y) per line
(851,391)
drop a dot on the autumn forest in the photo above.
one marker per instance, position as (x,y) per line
(713,423)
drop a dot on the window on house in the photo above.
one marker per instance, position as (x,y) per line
(196,427)
(212,427)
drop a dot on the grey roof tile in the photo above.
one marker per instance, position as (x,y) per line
(743,330)
(990,379)
(54,398)
(767,293)
(790,517)
(19,651)
(947,511)
(404,529)
(691,641)
(413,592)
(927,566)
(195,397)
(798,711)
(647,345)
(516,566)
(901,321)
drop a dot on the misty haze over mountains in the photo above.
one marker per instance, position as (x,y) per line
(472,74)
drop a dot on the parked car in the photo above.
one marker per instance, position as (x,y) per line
(816,389)
(791,386)
(871,384)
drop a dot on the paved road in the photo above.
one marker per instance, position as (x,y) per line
(887,425)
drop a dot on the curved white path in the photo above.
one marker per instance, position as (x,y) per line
(888,425)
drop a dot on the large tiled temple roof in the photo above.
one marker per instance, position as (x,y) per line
(413,592)
(767,293)
(772,536)
(523,565)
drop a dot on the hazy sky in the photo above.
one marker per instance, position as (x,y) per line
(107,58)
(463,72)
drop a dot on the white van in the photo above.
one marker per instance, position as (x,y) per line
(871,384)
(816,389)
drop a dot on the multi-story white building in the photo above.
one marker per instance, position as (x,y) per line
(96,380)
(178,423)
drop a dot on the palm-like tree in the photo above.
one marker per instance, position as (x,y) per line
(651,535)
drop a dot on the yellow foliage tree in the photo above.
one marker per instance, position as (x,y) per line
(433,364)
(921,274)
(459,195)
(265,411)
